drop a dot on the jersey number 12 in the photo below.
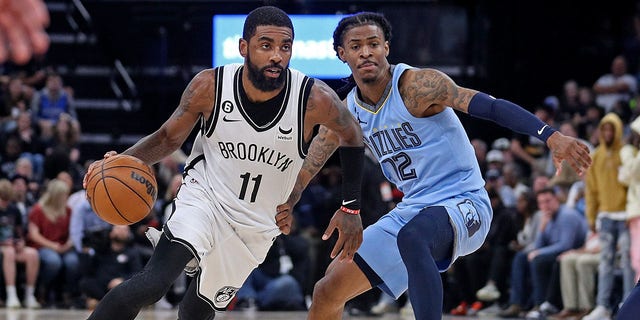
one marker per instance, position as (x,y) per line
(245,184)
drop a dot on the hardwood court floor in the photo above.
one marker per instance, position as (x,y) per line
(53,314)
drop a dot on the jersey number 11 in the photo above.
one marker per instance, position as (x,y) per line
(245,183)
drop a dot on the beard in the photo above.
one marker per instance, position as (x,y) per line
(260,81)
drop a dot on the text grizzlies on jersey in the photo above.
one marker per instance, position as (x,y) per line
(391,140)
(251,152)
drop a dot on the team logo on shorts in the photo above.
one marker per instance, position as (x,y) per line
(471,217)
(226,294)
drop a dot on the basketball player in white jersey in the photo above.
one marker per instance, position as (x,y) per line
(255,123)
(408,121)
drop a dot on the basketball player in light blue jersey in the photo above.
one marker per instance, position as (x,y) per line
(408,121)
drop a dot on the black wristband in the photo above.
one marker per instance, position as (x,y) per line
(351,160)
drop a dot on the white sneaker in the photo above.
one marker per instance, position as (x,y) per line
(384,307)
(599,313)
(13,302)
(31,303)
(488,293)
(407,310)
(154,235)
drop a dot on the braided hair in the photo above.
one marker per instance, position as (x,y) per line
(350,22)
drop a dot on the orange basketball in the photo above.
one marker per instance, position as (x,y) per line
(122,189)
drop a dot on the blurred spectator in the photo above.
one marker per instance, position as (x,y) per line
(495,160)
(49,233)
(588,128)
(578,269)
(562,229)
(50,102)
(480,148)
(511,185)
(12,245)
(66,135)
(110,266)
(569,102)
(17,99)
(606,200)
(616,86)
(531,153)
(629,175)
(276,284)
(22,198)
(86,229)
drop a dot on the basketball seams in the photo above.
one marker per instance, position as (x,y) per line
(114,203)
(131,189)
(111,199)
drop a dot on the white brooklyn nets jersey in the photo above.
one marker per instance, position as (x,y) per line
(249,168)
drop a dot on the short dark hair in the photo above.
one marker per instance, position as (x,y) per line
(265,16)
(360,19)
(546,190)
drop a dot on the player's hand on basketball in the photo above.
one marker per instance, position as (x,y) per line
(94,164)
(349,235)
(571,150)
(284,217)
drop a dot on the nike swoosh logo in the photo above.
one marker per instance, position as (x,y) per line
(229,120)
(542,129)
(285,131)
(344,203)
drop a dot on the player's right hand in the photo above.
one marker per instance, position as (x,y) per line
(349,235)
(93,165)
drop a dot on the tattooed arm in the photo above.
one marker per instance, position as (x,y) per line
(196,102)
(427,91)
(338,128)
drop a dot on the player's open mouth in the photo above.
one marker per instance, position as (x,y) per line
(273,72)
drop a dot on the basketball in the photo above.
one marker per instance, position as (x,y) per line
(122,189)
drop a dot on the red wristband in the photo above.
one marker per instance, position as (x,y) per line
(349,211)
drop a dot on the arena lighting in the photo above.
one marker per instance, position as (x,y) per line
(312,47)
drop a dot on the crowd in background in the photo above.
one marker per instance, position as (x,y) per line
(560,245)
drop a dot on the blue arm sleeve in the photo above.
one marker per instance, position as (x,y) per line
(509,115)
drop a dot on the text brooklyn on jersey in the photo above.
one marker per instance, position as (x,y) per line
(252,152)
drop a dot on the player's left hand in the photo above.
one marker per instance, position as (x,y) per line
(95,164)
(349,235)
(284,217)
(571,150)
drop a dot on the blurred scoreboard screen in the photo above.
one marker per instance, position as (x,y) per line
(313,52)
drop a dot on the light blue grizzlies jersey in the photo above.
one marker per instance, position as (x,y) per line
(429,159)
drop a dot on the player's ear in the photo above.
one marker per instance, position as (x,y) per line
(386,48)
(341,54)
(243,47)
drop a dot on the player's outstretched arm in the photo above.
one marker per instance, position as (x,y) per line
(428,88)
(196,101)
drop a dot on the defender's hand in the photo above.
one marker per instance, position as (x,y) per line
(284,217)
(571,150)
(349,234)
(94,165)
